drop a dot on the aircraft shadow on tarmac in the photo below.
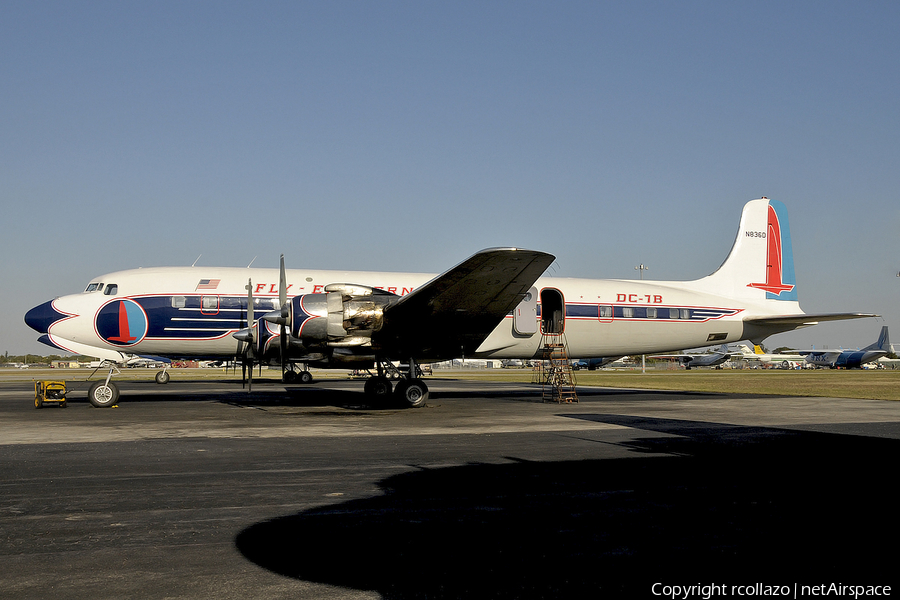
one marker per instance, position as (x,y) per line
(726,504)
(274,393)
(229,392)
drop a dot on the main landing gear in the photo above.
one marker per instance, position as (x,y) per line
(411,391)
(292,376)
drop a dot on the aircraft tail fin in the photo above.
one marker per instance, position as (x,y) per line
(883,343)
(760,265)
(757,349)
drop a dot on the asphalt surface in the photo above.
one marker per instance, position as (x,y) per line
(200,490)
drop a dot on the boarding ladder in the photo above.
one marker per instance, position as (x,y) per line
(554,370)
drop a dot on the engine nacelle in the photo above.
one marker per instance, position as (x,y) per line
(344,316)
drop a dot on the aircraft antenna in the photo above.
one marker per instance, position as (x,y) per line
(251,262)
(195,262)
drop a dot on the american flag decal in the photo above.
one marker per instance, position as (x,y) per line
(208,284)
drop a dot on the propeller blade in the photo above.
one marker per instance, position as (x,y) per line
(249,289)
(250,322)
(282,302)
(282,286)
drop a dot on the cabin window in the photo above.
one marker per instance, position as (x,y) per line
(605,312)
(209,304)
(685,313)
(111,289)
(627,312)
(673,313)
(651,312)
(179,301)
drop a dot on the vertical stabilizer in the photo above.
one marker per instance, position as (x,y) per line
(883,343)
(760,265)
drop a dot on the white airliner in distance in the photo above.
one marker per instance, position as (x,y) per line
(494,304)
(785,360)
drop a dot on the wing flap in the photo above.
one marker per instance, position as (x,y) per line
(453,313)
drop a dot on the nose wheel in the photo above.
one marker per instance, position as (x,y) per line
(103,394)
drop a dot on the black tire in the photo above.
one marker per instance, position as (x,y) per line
(412,393)
(102,394)
(378,388)
(289,376)
(162,377)
(305,377)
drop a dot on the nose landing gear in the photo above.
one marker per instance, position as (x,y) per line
(104,394)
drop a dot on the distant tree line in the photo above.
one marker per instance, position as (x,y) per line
(36,359)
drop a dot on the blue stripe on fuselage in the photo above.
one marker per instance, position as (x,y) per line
(191,321)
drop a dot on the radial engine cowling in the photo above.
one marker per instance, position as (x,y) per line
(345,315)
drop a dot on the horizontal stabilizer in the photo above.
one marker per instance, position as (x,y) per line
(804,319)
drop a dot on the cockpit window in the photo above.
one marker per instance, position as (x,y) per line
(93,287)
(111,289)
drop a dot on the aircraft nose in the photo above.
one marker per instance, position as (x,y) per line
(41,317)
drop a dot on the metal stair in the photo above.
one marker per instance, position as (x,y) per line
(554,370)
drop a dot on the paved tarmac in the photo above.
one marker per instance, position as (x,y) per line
(201,490)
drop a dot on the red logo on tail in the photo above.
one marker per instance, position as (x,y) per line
(773,283)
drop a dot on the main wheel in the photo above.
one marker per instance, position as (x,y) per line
(412,393)
(162,377)
(305,377)
(378,388)
(102,394)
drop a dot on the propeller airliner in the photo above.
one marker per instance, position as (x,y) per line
(850,359)
(495,304)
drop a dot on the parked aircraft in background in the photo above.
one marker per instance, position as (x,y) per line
(707,359)
(592,364)
(494,305)
(850,359)
(785,360)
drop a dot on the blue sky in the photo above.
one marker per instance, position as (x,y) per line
(408,135)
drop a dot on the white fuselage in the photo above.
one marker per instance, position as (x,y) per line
(192,311)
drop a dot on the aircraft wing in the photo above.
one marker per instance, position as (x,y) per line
(679,357)
(829,354)
(452,314)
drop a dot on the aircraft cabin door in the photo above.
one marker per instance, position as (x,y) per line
(553,311)
(525,314)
